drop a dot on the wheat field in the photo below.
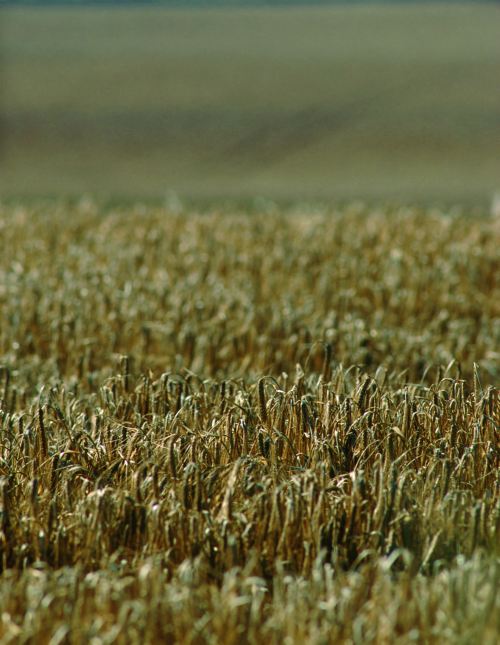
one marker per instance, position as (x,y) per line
(230,427)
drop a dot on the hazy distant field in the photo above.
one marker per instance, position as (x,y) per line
(369,102)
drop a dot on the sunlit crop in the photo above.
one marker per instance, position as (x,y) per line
(235,427)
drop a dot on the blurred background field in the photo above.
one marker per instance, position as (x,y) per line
(373,102)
